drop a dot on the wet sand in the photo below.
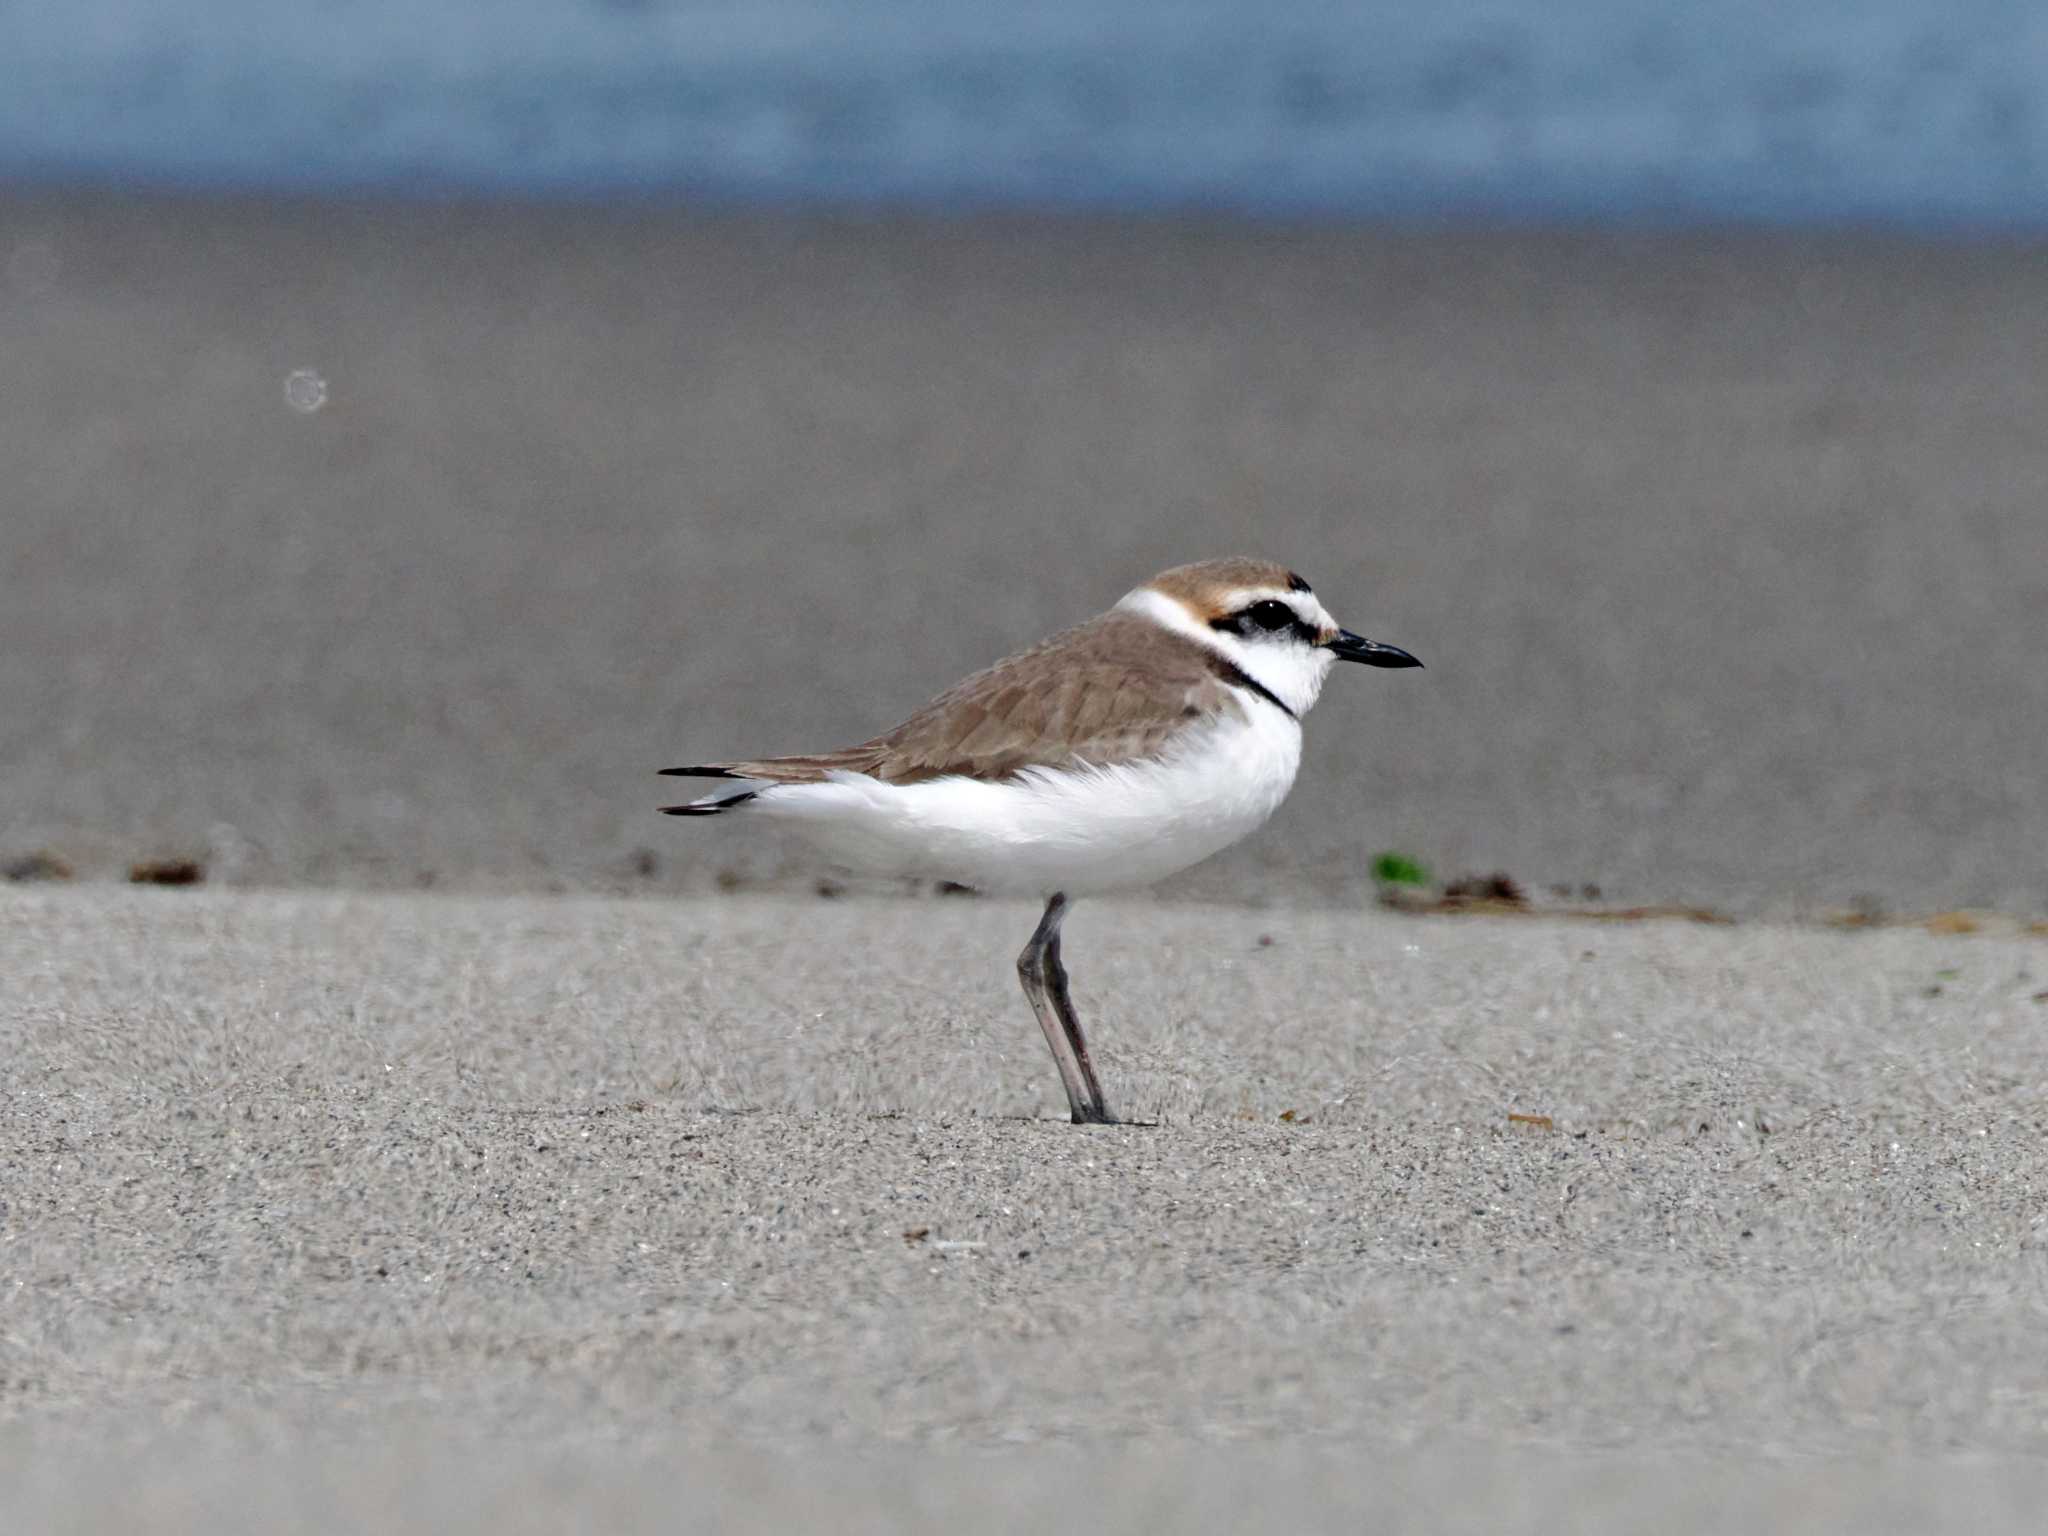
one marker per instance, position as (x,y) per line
(1726,553)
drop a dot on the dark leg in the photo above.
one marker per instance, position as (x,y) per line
(1063,1005)
(1045,984)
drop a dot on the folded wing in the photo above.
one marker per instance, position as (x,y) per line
(1115,690)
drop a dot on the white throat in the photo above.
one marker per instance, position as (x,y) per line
(1292,672)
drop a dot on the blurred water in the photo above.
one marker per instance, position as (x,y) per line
(1912,111)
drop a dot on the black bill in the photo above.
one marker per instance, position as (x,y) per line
(1374,654)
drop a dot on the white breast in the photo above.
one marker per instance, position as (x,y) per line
(1082,832)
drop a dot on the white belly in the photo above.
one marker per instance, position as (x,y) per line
(1097,830)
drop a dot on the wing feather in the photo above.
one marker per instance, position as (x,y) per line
(1115,690)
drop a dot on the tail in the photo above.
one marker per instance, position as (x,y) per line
(765,774)
(711,805)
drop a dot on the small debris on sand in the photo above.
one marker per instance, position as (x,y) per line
(1680,911)
(1500,895)
(166,872)
(1391,868)
(1496,887)
(40,865)
(1863,911)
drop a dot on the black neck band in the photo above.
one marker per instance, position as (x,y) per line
(1230,672)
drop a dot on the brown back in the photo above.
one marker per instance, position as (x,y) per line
(1116,689)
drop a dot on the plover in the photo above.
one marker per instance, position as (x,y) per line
(1113,754)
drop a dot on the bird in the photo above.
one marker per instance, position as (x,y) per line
(1104,758)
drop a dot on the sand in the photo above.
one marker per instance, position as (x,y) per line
(1726,554)
(618,1180)
(592,1183)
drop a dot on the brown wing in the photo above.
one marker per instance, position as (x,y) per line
(1114,690)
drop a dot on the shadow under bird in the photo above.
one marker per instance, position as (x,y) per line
(1106,757)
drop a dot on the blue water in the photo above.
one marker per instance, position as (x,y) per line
(1916,112)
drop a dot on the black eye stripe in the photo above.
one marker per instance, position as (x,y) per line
(1266,616)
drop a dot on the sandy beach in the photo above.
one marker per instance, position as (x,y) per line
(475,1148)
(611,1179)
